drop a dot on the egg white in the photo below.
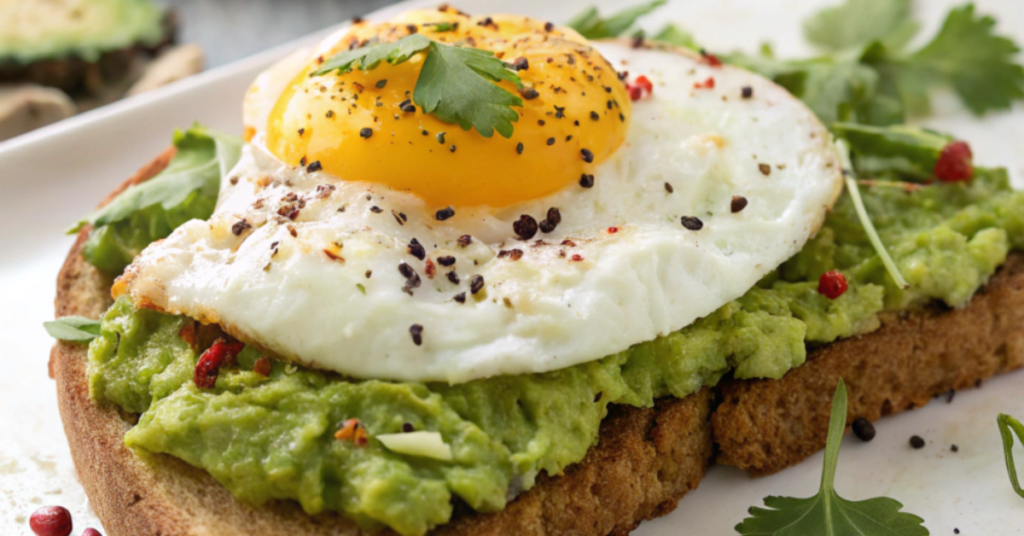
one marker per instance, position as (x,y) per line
(277,288)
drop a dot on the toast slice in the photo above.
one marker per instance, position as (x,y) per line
(646,459)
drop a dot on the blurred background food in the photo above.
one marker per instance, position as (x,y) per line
(62,57)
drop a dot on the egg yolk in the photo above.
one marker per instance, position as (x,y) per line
(363,125)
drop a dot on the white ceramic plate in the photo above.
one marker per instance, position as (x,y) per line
(50,177)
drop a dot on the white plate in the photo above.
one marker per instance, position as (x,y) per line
(52,176)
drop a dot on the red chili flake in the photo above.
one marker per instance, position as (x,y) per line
(641,87)
(955,162)
(645,83)
(832,285)
(707,84)
(577,258)
(51,521)
(568,243)
(430,269)
(635,92)
(262,366)
(710,59)
(613,230)
(347,430)
(188,333)
(218,355)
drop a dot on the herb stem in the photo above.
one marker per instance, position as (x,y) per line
(1006,425)
(865,220)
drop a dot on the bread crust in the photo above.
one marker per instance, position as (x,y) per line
(764,426)
(646,460)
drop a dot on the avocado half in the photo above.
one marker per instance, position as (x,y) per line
(79,45)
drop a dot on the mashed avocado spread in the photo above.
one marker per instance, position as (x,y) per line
(272,437)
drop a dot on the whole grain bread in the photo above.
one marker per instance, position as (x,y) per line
(764,426)
(646,458)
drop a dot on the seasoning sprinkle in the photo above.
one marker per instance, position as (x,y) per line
(240,227)
(669,188)
(521,64)
(460,297)
(365,132)
(376,210)
(407,106)
(525,227)
(476,283)
(314,166)
(407,427)
(381,83)
(440,137)
(416,249)
(519,148)
(746,92)
(692,223)
(416,331)
(587,181)
(453,277)
(594,115)
(444,214)
(738,203)
(465,240)
(452,148)
(529,93)
(765,169)
(551,141)
(863,429)
(446,261)
(917,442)
(587,154)
(548,26)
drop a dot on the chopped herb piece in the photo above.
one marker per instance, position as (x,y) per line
(590,24)
(73,328)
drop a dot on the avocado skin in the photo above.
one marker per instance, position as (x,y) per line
(77,76)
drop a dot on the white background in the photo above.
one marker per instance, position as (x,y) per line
(52,176)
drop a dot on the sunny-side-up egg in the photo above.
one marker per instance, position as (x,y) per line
(360,235)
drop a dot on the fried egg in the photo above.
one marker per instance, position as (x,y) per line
(361,236)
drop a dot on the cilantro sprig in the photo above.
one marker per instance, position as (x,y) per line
(455,84)
(591,25)
(1006,425)
(827,512)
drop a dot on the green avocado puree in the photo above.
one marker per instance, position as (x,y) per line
(268,438)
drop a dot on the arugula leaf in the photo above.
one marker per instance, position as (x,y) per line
(909,151)
(186,189)
(827,512)
(73,328)
(969,56)
(857,22)
(369,57)
(589,23)
(455,85)
(1006,425)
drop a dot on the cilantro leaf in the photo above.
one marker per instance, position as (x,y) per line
(186,189)
(857,22)
(827,512)
(1006,425)
(455,85)
(674,35)
(969,56)
(367,58)
(73,328)
(590,24)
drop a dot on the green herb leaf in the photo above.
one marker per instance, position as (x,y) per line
(186,189)
(674,35)
(970,57)
(369,57)
(455,85)
(858,22)
(73,328)
(827,513)
(590,24)
(1006,425)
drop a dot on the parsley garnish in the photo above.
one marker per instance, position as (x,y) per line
(1006,425)
(827,513)
(73,328)
(455,83)
(590,24)
(855,23)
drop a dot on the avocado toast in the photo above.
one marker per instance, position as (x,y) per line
(784,320)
